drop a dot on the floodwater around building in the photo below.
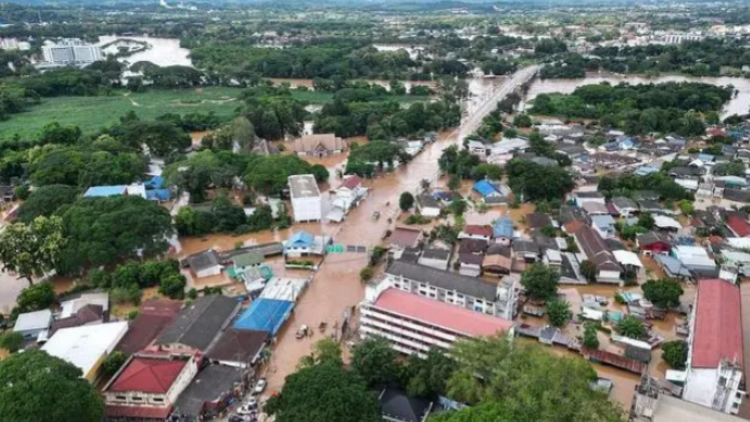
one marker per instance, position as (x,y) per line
(162,51)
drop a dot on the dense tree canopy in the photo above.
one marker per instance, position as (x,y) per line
(33,249)
(35,386)
(535,182)
(664,293)
(375,361)
(675,353)
(540,281)
(45,200)
(269,174)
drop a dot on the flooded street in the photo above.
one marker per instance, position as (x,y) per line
(163,51)
(739,104)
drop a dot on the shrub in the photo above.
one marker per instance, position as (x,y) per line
(132,314)
(11,341)
(366,273)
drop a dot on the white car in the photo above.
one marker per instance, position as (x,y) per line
(247,410)
(252,402)
(260,386)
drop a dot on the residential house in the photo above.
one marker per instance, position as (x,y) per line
(525,251)
(581,198)
(595,208)
(205,264)
(570,213)
(154,315)
(574,152)
(502,231)
(672,267)
(714,374)
(666,224)
(653,243)
(490,193)
(246,260)
(319,145)
(306,200)
(435,258)
(146,387)
(89,314)
(738,226)
(591,245)
(428,206)
(197,325)
(497,261)
(396,406)
(303,243)
(445,197)
(538,220)
(470,256)
(604,225)
(402,238)
(477,148)
(7,194)
(696,259)
(209,394)
(239,348)
(739,196)
(624,206)
(32,324)
(651,206)
(345,197)
(461,291)
(474,231)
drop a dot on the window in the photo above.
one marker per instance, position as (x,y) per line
(157,399)
(121,398)
(136,398)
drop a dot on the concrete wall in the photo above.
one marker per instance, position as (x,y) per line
(307,209)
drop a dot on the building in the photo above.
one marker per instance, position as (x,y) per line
(154,316)
(86,347)
(319,145)
(346,196)
(435,258)
(398,407)
(490,193)
(265,314)
(210,393)
(592,245)
(306,201)
(402,238)
(653,243)
(205,264)
(32,324)
(303,243)
(604,225)
(582,197)
(87,315)
(247,260)
(738,225)
(696,259)
(197,325)
(714,373)
(239,348)
(625,206)
(475,231)
(502,231)
(146,387)
(428,206)
(416,324)
(71,51)
(465,292)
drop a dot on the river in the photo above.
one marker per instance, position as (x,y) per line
(737,105)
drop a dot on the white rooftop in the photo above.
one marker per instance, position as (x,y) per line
(71,307)
(284,288)
(31,321)
(627,258)
(693,256)
(85,346)
(664,222)
(303,186)
(671,409)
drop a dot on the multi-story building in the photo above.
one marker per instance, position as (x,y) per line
(306,201)
(714,376)
(71,51)
(471,293)
(417,324)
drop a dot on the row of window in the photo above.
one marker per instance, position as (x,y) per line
(138,399)
(417,323)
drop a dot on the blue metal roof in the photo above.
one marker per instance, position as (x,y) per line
(706,157)
(265,315)
(156,182)
(104,191)
(158,194)
(301,239)
(503,228)
(485,188)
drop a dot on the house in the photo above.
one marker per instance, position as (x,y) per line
(445,197)
(653,243)
(474,231)
(303,243)
(205,264)
(470,256)
(672,267)
(592,246)
(410,255)
(415,324)
(538,220)
(595,208)
(738,225)
(306,201)
(573,152)
(570,213)
(652,403)
(465,292)
(715,357)
(402,238)
(666,224)
(396,406)
(525,251)
(497,261)
(345,197)
(87,315)
(428,206)
(582,197)
(210,393)
(737,195)
(625,206)
(651,206)
(502,231)
(239,348)
(246,260)
(686,172)
(604,225)
(32,324)
(86,347)
(197,325)
(435,258)
(146,387)
(319,145)
(491,194)
(477,148)
(154,315)
(696,259)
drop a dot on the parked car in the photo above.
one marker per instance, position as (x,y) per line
(243,418)
(252,402)
(260,386)
(247,410)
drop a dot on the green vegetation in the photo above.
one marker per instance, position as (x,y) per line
(590,339)
(35,249)
(535,182)
(558,312)
(406,201)
(632,327)
(113,362)
(11,341)
(629,185)
(675,353)
(540,282)
(664,293)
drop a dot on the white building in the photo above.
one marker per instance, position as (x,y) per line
(306,201)
(416,324)
(32,324)
(87,346)
(70,52)
(715,356)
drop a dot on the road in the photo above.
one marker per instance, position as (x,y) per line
(336,286)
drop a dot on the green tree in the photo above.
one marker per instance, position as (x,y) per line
(199,172)
(454,183)
(428,377)
(458,207)
(664,292)
(675,353)
(406,201)
(11,341)
(522,120)
(161,138)
(375,361)
(366,273)
(646,220)
(558,312)
(686,207)
(35,386)
(486,171)
(540,281)
(590,338)
(524,383)
(35,298)
(113,362)
(34,249)
(45,201)
(589,270)
(325,352)
(536,182)
(173,286)
(324,393)
(268,175)
(632,327)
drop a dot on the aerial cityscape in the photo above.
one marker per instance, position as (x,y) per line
(391,210)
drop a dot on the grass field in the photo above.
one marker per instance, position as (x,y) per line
(93,113)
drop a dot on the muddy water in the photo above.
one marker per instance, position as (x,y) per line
(162,51)
(294,83)
(737,105)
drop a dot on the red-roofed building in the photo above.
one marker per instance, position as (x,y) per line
(715,357)
(153,316)
(416,324)
(475,231)
(738,225)
(147,386)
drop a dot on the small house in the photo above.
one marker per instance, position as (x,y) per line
(604,224)
(205,264)
(538,220)
(319,145)
(244,261)
(653,243)
(738,226)
(624,206)
(303,243)
(502,231)
(497,261)
(428,206)
(490,193)
(32,324)
(581,198)
(435,258)
(402,238)
(474,231)
(667,224)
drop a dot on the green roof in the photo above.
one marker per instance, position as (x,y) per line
(247,259)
